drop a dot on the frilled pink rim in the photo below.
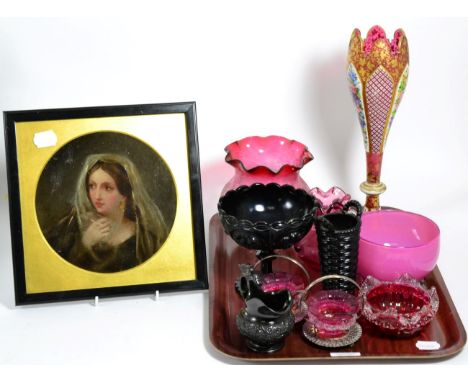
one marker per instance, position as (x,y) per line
(340,196)
(378,33)
(234,149)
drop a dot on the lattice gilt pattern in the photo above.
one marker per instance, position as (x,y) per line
(379,92)
(381,67)
(400,90)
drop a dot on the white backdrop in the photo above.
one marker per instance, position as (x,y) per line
(252,71)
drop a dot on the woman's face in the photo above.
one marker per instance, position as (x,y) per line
(103,193)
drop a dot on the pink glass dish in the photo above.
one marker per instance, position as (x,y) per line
(400,308)
(332,313)
(394,242)
(276,281)
(271,159)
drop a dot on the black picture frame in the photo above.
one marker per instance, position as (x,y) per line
(14,122)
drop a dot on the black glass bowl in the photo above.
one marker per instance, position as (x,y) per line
(267,216)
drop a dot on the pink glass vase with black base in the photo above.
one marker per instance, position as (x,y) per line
(377,74)
(271,159)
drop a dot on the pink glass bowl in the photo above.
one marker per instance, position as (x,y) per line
(276,281)
(399,308)
(395,242)
(332,313)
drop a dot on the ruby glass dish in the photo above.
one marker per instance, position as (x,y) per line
(399,308)
(332,312)
(281,280)
(277,281)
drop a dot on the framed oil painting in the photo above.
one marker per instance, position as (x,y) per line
(104,201)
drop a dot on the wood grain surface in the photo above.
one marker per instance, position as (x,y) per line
(225,256)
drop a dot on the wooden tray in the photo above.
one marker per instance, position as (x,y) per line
(225,255)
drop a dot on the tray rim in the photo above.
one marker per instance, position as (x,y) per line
(446,353)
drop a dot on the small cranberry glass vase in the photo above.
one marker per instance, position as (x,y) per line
(398,308)
(328,202)
(271,159)
(332,315)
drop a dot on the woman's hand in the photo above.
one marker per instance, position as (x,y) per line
(97,232)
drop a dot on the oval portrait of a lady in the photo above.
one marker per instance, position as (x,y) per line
(106,202)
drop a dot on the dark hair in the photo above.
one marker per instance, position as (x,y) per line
(120,176)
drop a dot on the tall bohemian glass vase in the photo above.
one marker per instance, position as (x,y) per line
(377,72)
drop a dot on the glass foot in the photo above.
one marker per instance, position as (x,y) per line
(350,338)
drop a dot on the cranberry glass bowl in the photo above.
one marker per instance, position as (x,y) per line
(332,313)
(276,281)
(279,280)
(395,242)
(400,308)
